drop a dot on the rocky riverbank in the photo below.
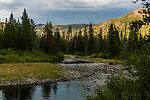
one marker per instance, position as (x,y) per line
(93,72)
(75,69)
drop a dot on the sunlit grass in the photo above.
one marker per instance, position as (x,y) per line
(22,71)
(110,61)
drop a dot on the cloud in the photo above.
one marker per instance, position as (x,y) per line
(41,10)
(70,4)
(60,5)
(85,4)
(6,1)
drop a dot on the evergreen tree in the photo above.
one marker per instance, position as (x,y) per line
(121,36)
(28,32)
(140,38)
(85,40)
(58,40)
(49,39)
(68,38)
(80,42)
(145,3)
(133,35)
(122,40)
(114,41)
(10,30)
(91,38)
(1,38)
(19,36)
(64,46)
(75,42)
(35,42)
(146,20)
(105,42)
(43,43)
(100,40)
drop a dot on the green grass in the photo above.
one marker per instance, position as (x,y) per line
(23,71)
(70,56)
(12,56)
(104,57)
(96,58)
(110,61)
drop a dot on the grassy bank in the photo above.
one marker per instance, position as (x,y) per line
(11,56)
(102,57)
(23,71)
(110,61)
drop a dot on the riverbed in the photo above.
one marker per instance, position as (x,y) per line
(84,77)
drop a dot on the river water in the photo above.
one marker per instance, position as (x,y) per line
(71,90)
(59,91)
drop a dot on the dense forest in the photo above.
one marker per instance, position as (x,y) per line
(21,36)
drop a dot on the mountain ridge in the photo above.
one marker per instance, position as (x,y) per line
(122,23)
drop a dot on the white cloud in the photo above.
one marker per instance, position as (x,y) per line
(86,4)
(36,8)
(74,4)
(6,1)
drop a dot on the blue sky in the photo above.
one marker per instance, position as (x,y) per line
(67,11)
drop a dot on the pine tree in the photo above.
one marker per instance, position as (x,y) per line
(145,3)
(133,35)
(35,43)
(114,41)
(80,42)
(1,39)
(91,38)
(19,36)
(85,40)
(68,38)
(49,39)
(58,40)
(28,32)
(9,37)
(100,40)
(105,42)
(121,36)
(43,43)
(75,42)
(140,38)
(63,41)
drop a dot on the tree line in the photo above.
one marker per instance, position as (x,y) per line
(21,35)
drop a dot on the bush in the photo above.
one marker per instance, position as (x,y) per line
(104,55)
(58,57)
(133,87)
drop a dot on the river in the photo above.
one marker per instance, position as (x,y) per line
(57,91)
(76,89)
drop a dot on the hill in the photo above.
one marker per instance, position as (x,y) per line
(122,23)
(75,27)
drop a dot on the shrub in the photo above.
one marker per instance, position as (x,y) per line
(133,87)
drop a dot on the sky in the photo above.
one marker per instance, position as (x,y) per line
(67,11)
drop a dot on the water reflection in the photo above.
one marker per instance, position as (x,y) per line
(55,88)
(57,91)
(46,89)
(17,92)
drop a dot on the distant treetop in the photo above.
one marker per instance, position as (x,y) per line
(145,3)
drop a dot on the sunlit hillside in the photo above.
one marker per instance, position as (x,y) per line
(121,23)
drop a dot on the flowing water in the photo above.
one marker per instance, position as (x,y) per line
(58,91)
(71,90)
